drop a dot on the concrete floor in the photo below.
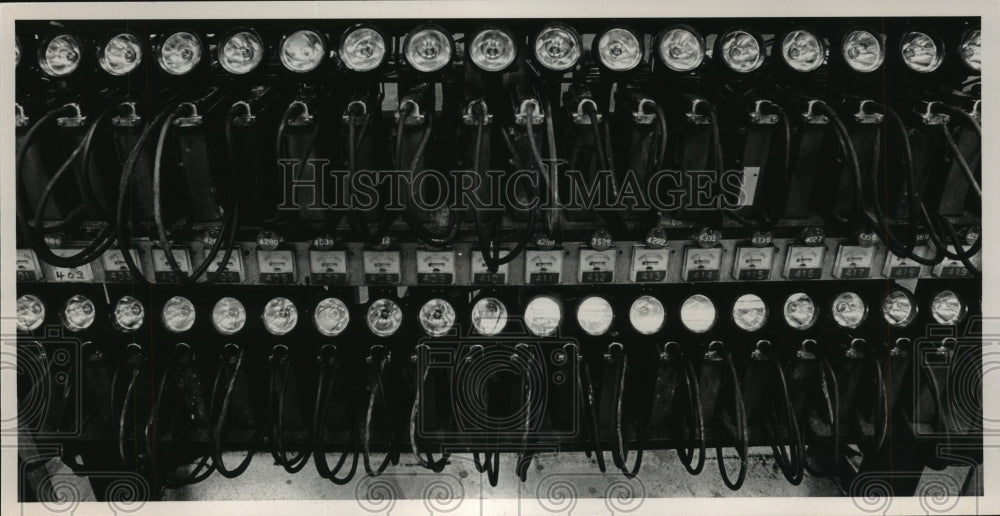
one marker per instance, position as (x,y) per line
(553,483)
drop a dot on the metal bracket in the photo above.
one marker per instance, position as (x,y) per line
(72,121)
(581,118)
(863,117)
(537,117)
(929,117)
(192,120)
(131,119)
(19,116)
(812,118)
(469,118)
(350,118)
(977,111)
(642,117)
(693,117)
(246,119)
(761,118)
(414,116)
(305,118)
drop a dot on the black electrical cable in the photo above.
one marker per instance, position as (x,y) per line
(614,219)
(620,454)
(356,219)
(742,432)
(661,122)
(426,236)
(586,385)
(791,462)
(329,365)
(686,455)
(421,376)
(277,387)
(236,361)
(282,218)
(491,466)
(524,457)
(831,389)
(962,163)
(134,361)
(379,357)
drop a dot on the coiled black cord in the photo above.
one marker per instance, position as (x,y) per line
(426,236)
(279,365)
(686,455)
(742,433)
(329,364)
(355,219)
(377,359)
(791,463)
(134,361)
(236,362)
(619,360)
(421,377)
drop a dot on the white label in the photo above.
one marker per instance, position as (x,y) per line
(542,267)
(702,264)
(899,267)
(804,262)
(382,267)
(160,263)
(854,262)
(748,189)
(276,262)
(113,260)
(71,274)
(753,263)
(27,265)
(950,268)
(234,268)
(597,266)
(435,267)
(649,265)
(328,262)
(481,274)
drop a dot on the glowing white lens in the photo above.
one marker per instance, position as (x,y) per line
(384,317)
(437,317)
(180,53)
(331,317)
(947,307)
(302,51)
(542,316)
(741,51)
(557,48)
(647,315)
(129,314)
(79,313)
(61,56)
(971,49)
(698,313)
(619,50)
(681,50)
(241,52)
(920,52)
(803,51)
(898,308)
(489,316)
(363,49)
(121,54)
(863,51)
(178,314)
(427,50)
(492,50)
(750,312)
(849,310)
(30,312)
(229,316)
(595,315)
(800,311)
(280,316)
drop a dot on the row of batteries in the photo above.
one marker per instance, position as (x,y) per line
(252,264)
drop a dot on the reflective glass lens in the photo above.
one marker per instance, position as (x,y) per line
(647,315)
(698,313)
(681,50)
(30,312)
(947,307)
(437,317)
(121,54)
(241,52)
(178,314)
(489,316)
(863,51)
(79,313)
(920,52)
(363,49)
(61,56)
(428,50)
(849,310)
(899,308)
(302,51)
(971,49)
(180,53)
(492,50)
(595,315)
(557,48)
(800,311)
(331,317)
(750,312)
(129,314)
(384,317)
(229,316)
(619,49)
(542,316)
(741,51)
(803,51)
(280,316)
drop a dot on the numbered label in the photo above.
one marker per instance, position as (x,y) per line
(161,267)
(898,267)
(949,268)
(701,264)
(382,267)
(649,265)
(804,262)
(435,267)
(82,273)
(854,262)
(115,267)
(753,263)
(328,267)
(234,268)
(597,266)
(543,267)
(276,267)
(27,265)
(481,274)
